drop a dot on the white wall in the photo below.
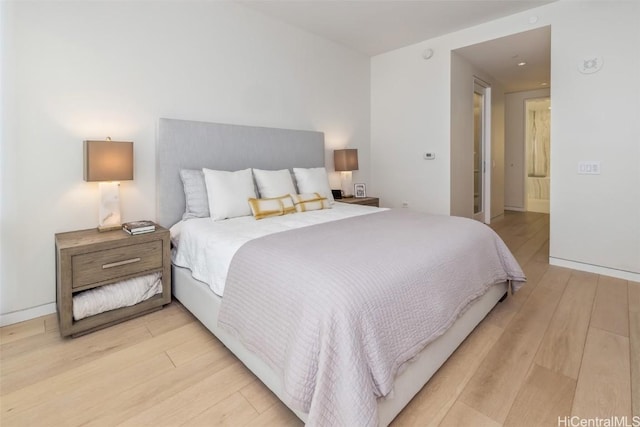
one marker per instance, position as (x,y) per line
(410,100)
(462,122)
(594,219)
(85,70)
(514,150)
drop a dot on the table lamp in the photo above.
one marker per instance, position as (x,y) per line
(345,161)
(108,162)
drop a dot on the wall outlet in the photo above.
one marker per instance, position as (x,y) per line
(405,204)
(589,168)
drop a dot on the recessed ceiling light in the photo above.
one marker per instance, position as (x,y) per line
(522,64)
(544,84)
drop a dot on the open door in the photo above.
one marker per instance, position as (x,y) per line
(481,151)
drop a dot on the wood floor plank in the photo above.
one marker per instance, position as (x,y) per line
(260,397)
(157,389)
(502,314)
(610,310)
(67,403)
(634,296)
(28,364)
(534,271)
(169,318)
(276,416)
(463,415)
(526,252)
(21,330)
(563,344)
(495,384)
(634,344)
(558,280)
(545,396)
(51,323)
(76,377)
(543,253)
(194,399)
(634,348)
(201,342)
(435,399)
(520,231)
(233,411)
(604,387)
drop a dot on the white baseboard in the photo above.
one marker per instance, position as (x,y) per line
(27,314)
(514,208)
(538,205)
(590,268)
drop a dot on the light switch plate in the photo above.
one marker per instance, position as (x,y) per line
(589,168)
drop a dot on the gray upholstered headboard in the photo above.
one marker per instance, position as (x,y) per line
(183,144)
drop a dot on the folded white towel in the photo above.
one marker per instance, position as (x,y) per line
(121,294)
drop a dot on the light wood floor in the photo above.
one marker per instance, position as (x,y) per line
(568,343)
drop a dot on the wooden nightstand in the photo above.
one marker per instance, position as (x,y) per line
(88,259)
(367,201)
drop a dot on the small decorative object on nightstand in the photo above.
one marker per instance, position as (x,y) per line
(367,201)
(359,190)
(88,259)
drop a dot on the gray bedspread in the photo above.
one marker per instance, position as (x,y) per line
(337,308)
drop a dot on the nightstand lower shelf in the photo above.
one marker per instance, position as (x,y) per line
(112,317)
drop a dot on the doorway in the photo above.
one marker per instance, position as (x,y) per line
(538,149)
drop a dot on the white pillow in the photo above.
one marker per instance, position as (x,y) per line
(195,194)
(274,183)
(229,193)
(313,180)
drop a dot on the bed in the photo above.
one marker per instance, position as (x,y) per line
(195,145)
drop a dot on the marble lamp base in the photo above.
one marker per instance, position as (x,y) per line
(109,212)
(346,182)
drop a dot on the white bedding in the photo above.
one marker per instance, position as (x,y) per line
(206,247)
(116,295)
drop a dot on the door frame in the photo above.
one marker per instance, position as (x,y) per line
(485,89)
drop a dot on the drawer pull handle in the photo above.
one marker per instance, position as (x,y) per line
(119,263)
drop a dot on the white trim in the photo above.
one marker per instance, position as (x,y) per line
(597,269)
(485,89)
(514,208)
(487,142)
(27,314)
(538,205)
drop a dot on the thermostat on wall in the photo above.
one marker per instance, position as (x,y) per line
(429,156)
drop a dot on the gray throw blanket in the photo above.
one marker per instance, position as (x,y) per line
(337,308)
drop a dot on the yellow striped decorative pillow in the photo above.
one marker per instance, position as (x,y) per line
(276,206)
(310,202)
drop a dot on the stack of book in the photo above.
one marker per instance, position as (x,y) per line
(139,227)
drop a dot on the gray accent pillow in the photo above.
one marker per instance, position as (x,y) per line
(195,194)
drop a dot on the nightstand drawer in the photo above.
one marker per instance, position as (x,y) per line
(99,266)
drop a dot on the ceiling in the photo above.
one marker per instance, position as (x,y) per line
(500,58)
(373,27)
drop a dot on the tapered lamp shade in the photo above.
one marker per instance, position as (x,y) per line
(108,162)
(345,160)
